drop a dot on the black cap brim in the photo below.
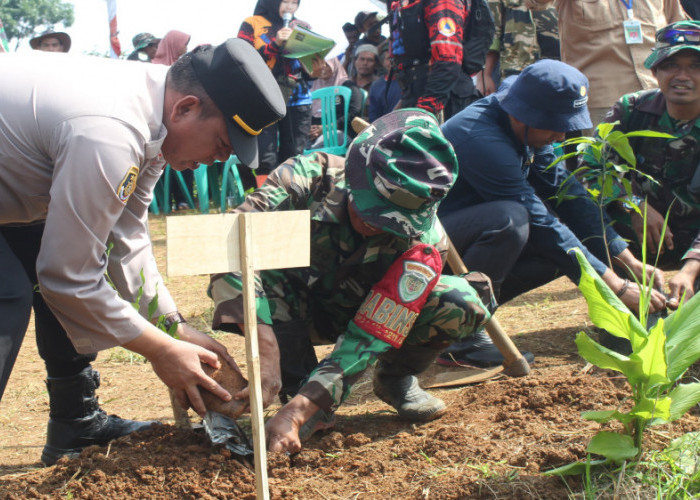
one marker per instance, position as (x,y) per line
(244,145)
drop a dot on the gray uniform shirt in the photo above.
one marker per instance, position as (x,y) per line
(80,141)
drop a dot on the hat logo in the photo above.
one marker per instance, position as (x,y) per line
(583,91)
(447,27)
(414,280)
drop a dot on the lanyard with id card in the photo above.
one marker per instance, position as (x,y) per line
(632,27)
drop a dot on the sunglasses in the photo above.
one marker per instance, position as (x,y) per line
(685,36)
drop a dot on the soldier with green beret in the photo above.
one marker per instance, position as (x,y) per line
(374,286)
(674,163)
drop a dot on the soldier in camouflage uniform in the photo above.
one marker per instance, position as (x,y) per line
(522,37)
(673,108)
(374,286)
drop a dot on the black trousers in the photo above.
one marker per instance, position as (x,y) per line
(284,139)
(19,248)
(413,80)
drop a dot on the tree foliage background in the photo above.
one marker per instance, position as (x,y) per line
(26,18)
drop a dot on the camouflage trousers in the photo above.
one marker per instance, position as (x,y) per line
(453,311)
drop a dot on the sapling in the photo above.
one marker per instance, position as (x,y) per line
(660,354)
(660,357)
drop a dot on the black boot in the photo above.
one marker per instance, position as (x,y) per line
(395,382)
(76,420)
(476,350)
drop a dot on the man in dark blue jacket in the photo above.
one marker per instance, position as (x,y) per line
(498,214)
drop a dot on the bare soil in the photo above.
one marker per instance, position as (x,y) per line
(494,441)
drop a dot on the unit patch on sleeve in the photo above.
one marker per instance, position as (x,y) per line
(394,303)
(128,184)
(447,26)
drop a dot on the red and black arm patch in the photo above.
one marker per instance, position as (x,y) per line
(445,20)
(393,304)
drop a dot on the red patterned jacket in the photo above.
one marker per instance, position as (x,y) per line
(429,32)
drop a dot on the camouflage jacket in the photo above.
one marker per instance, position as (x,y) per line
(344,266)
(672,162)
(519,33)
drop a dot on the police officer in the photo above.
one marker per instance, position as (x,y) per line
(374,286)
(426,52)
(82,143)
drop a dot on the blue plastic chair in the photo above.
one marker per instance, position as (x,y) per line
(231,182)
(329,119)
(161,194)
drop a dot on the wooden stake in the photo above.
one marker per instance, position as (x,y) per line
(253,357)
(219,243)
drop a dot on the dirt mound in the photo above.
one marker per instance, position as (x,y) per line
(493,441)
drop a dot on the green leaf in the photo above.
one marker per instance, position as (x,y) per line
(604,416)
(616,447)
(574,469)
(153,304)
(682,339)
(609,360)
(649,133)
(684,452)
(605,309)
(648,408)
(621,145)
(653,356)
(603,129)
(683,398)
(579,140)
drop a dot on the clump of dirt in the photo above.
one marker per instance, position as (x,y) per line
(231,379)
(494,440)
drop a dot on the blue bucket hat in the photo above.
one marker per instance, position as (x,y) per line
(548,95)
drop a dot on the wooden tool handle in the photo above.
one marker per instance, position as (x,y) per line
(515,364)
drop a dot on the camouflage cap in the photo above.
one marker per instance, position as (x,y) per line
(398,170)
(143,40)
(674,38)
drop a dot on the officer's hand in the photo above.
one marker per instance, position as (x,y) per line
(189,334)
(178,364)
(270,374)
(655,224)
(683,282)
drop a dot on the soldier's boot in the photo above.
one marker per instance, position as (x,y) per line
(76,420)
(395,382)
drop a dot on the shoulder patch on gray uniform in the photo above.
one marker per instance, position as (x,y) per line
(128,184)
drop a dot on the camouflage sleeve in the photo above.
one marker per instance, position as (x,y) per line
(496,7)
(694,250)
(294,185)
(331,381)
